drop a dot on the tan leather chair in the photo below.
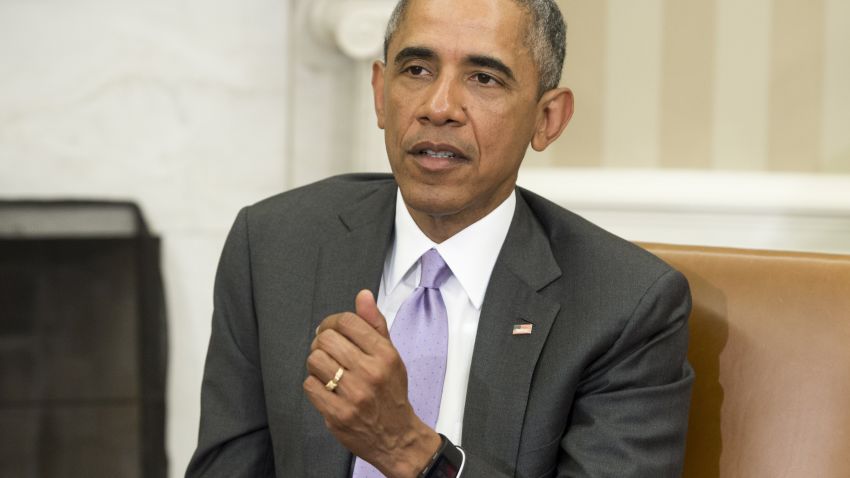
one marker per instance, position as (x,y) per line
(770,343)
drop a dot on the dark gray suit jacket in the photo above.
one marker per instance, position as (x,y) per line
(600,388)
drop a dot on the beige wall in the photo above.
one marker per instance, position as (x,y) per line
(758,85)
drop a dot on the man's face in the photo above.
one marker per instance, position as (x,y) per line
(458,99)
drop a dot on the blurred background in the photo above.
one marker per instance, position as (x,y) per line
(132,132)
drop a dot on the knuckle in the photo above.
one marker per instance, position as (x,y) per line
(392,358)
(375,374)
(383,348)
(345,416)
(322,339)
(368,374)
(347,320)
(357,398)
(326,340)
(308,386)
(352,323)
(313,361)
(378,343)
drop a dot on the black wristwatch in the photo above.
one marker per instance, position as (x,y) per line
(446,462)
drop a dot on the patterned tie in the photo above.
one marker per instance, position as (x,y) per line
(420,332)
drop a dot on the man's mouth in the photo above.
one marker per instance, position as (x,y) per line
(437,154)
(437,151)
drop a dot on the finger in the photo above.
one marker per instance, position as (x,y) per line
(366,307)
(331,321)
(336,410)
(322,366)
(356,330)
(339,348)
(326,402)
(326,323)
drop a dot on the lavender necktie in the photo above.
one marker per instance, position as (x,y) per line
(420,332)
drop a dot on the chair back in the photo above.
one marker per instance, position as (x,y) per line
(770,344)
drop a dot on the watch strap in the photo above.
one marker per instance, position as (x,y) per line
(446,462)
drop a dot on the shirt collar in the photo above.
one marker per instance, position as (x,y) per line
(470,254)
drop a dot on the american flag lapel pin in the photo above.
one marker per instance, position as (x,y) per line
(522,329)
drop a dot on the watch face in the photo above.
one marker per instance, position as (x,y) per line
(444,469)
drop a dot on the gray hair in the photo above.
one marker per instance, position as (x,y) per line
(546,37)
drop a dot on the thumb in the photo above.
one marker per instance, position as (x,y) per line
(366,308)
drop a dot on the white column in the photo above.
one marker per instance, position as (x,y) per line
(334,127)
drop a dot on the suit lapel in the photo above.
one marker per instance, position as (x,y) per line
(350,261)
(503,363)
(354,259)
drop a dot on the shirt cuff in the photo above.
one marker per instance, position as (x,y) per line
(462,462)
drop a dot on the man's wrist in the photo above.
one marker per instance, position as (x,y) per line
(416,452)
(434,458)
(446,462)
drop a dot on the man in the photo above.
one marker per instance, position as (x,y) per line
(557,348)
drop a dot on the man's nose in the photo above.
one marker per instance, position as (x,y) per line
(443,103)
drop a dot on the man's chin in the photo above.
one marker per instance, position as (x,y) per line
(433,200)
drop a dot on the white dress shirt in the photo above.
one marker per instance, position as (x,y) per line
(471,255)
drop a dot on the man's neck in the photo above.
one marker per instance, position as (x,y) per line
(439,228)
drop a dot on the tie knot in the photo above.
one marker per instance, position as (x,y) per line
(434,270)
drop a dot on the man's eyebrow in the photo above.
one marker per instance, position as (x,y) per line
(485,61)
(418,52)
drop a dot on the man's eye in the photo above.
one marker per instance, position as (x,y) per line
(485,79)
(416,70)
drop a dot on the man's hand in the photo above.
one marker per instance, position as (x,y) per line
(369,412)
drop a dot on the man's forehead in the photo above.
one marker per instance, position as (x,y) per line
(468,28)
(507,14)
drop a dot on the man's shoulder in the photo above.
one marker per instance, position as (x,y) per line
(302,214)
(322,198)
(584,248)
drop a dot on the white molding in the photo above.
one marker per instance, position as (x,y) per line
(756,210)
(694,190)
(355,27)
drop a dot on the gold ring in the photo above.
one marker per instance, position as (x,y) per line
(334,382)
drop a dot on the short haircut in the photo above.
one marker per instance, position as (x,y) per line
(545,36)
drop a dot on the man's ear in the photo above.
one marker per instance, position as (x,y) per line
(554,110)
(378,90)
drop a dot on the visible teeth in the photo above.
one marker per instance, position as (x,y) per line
(439,154)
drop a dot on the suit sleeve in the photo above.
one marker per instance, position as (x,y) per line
(630,413)
(234,439)
(630,416)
